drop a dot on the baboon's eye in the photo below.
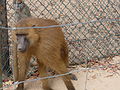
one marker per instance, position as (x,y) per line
(22,34)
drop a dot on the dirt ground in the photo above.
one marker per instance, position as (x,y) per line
(95,79)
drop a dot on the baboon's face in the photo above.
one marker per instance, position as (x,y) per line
(22,42)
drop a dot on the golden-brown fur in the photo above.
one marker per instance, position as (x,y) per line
(47,45)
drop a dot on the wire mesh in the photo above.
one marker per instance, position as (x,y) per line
(86,41)
(93,40)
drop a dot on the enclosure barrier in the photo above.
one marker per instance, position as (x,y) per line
(73,71)
(59,75)
(91,27)
(85,41)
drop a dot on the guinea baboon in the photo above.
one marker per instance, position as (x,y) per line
(47,45)
(22,11)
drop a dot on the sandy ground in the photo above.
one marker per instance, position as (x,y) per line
(97,79)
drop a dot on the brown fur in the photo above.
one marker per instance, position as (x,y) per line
(48,45)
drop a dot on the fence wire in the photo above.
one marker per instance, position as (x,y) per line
(74,71)
(91,27)
(62,25)
(92,40)
(60,75)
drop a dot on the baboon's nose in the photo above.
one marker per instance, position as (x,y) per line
(20,49)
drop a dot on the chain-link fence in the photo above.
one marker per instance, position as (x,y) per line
(93,40)
(86,40)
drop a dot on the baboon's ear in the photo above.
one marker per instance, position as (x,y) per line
(33,25)
(37,29)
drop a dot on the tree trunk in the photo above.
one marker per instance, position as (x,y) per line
(4,47)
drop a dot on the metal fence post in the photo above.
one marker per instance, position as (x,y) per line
(4,50)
